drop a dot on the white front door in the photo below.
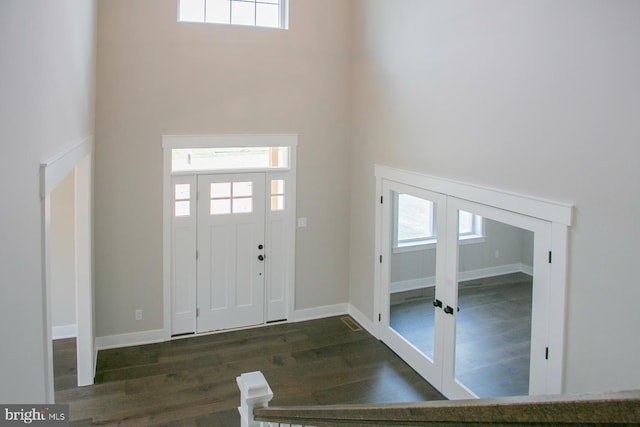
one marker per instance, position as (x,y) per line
(230,248)
(411,323)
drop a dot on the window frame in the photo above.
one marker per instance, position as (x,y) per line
(283,15)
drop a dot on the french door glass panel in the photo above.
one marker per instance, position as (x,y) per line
(415,265)
(499,294)
(493,324)
(413,271)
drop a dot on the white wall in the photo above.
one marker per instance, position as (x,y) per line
(538,97)
(160,77)
(46,104)
(63,257)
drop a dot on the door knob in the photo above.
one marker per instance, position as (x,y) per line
(437,303)
(261,257)
(260,247)
(448,309)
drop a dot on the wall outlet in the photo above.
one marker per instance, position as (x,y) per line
(139,314)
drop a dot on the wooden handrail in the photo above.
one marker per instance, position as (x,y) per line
(621,408)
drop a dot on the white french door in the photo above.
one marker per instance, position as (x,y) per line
(414,330)
(231,242)
(496,330)
(464,292)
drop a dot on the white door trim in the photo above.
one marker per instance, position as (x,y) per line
(560,215)
(79,158)
(555,212)
(170,142)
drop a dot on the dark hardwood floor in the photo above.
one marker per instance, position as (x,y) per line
(192,381)
(493,332)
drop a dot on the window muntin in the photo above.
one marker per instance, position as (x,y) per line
(257,13)
(231,197)
(229,158)
(416,223)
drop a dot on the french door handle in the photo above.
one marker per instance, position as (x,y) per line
(261,257)
(448,309)
(437,303)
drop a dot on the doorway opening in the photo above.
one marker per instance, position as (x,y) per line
(67,258)
(229,236)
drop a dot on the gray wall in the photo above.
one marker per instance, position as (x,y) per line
(502,246)
(538,97)
(160,77)
(63,253)
(46,104)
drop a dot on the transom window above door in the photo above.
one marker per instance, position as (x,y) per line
(229,158)
(254,13)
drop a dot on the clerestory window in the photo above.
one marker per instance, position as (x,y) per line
(256,13)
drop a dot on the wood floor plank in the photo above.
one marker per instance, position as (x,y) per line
(191,381)
(493,332)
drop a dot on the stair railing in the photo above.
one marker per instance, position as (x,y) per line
(610,409)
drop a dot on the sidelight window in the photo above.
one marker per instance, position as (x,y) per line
(277,195)
(182,200)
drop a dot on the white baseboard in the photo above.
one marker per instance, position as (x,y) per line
(320,312)
(66,331)
(335,310)
(412,284)
(499,270)
(155,336)
(128,340)
(159,335)
(526,269)
(362,319)
(481,273)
